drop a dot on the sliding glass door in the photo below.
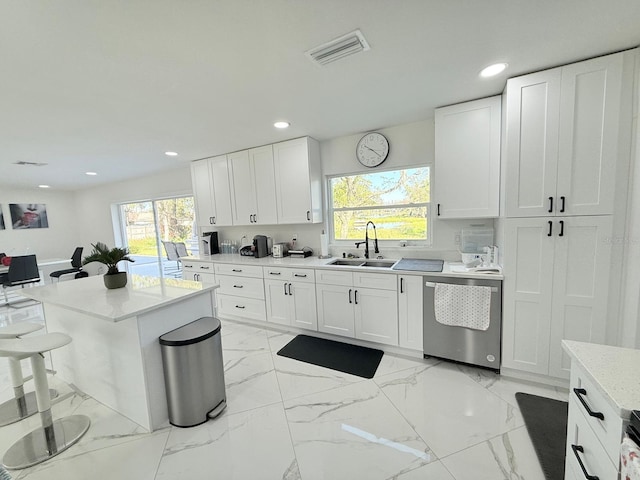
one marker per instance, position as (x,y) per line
(157,232)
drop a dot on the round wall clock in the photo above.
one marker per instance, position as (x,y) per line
(372,149)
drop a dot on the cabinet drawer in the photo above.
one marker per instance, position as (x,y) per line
(593,456)
(609,429)
(191,266)
(241,286)
(297,274)
(334,277)
(232,306)
(384,281)
(238,270)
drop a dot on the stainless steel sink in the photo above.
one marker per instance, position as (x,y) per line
(378,263)
(356,262)
(361,262)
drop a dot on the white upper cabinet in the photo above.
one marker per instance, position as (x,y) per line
(562,139)
(253,189)
(467,159)
(298,180)
(210,182)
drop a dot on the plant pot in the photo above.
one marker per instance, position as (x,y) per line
(115,280)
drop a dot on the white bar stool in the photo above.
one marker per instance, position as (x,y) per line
(53,437)
(21,406)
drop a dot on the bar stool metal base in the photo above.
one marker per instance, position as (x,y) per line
(14,410)
(45,443)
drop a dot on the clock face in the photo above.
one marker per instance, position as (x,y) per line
(372,149)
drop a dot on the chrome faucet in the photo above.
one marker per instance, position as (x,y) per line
(366,240)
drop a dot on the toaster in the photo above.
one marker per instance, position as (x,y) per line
(280,250)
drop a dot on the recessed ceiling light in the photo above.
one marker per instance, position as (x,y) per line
(43,186)
(281,124)
(91,173)
(171,154)
(492,70)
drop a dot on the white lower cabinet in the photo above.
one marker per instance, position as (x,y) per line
(198,272)
(291,297)
(348,307)
(241,292)
(556,287)
(410,313)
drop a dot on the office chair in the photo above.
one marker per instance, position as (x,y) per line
(76,266)
(22,271)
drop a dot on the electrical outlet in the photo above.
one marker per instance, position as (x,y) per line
(295,237)
(456,239)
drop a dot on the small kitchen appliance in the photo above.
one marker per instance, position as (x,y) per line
(209,243)
(261,246)
(280,250)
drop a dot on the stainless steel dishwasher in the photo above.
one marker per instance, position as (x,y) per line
(462,344)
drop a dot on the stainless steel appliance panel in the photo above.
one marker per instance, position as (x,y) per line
(476,347)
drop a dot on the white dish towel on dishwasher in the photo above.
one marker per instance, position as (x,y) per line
(629,460)
(462,305)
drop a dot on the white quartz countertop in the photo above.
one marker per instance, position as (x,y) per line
(141,295)
(614,370)
(450,269)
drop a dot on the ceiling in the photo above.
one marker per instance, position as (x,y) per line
(109,86)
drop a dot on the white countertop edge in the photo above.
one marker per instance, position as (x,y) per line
(324,263)
(614,371)
(34,296)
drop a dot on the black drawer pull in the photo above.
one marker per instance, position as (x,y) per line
(238,286)
(300,275)
(204,268)
(550,204)
(550,228)
(579,448)
(240,306)
(188,266)
(561,228)
(236,270)
(274,273)
(562,199)
(579,393)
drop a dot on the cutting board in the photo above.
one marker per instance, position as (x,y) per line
(419,265)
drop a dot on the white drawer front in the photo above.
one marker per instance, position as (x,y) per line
(333,277)
(287,274)
(232,306)
(593,455)
(238,270)
(191,265)
(610,429)
(384,281)
(241,286)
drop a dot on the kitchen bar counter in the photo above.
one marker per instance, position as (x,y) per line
(115,355)
(613,370)
(450,269)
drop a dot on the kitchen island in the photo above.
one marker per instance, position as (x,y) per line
(115,355)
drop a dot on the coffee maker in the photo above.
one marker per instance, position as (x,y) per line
(209,243)
(261,247)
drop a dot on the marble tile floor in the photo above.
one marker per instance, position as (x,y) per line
(416,419)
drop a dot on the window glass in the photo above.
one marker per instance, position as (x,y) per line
(396,201)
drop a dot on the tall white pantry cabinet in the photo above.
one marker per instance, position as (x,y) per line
(561,157)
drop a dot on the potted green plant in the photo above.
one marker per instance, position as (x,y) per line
(114,278)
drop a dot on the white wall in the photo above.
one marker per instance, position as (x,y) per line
(57,241)
(94,205)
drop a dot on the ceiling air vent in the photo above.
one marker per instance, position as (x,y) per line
(341,47)
(30,164)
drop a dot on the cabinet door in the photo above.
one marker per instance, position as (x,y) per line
(531,146)
(376,315)
(278,310)
(243,192)
(265,185)
(335,309)
(467,159)
(202,192)
(221,191)
(303,305)
(580,285)
(588,143)
(293,183)
(527,289)
(410,318)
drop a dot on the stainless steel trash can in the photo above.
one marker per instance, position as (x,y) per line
(194,372)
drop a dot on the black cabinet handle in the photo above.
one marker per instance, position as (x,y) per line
(240,306)
(237,286)
(308,216)
(285,288)
(561,234)
(274,273)
(550,228)
(350,296)
(562,204)
(196,277)
(236,270)
(355,296)
(187,266)
(211,220)
(204,268)
(214,220)
(401,285)
(290,290)
(580,448)
(579,393)
(300,275)
(550,204)
(438,210)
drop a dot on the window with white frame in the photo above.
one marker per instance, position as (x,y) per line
(397,202)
